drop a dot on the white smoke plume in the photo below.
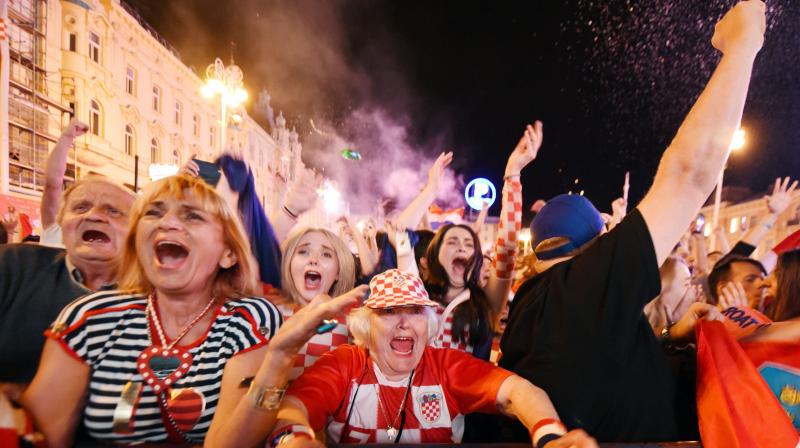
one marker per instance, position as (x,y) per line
(357,95)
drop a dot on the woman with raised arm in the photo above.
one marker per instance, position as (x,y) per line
(468,309)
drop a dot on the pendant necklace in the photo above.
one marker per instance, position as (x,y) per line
(161,365)
(392,433)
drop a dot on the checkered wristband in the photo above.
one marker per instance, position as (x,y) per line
(508,229)
(289,432)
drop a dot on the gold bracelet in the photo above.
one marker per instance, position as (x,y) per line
(266,398)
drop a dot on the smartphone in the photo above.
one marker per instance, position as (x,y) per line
(327,325)
(209,172)
(699,224)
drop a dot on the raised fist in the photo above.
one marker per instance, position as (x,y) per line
(75,128)
(742,28)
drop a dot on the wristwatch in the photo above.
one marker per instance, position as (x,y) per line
(266,398)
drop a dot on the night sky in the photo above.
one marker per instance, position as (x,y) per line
(611,80)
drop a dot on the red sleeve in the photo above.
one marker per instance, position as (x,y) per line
(472,382)
(322,387)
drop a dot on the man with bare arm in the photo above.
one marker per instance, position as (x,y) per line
(577,329)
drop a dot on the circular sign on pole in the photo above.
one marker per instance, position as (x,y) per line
(478,191)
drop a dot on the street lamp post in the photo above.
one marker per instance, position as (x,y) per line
(227,82)
(737,143)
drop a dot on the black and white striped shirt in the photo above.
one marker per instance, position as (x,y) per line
(108,330)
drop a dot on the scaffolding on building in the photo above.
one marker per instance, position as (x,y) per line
(32,113)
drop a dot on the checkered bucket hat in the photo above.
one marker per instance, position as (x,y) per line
(396,288)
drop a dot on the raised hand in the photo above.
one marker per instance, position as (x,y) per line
(9,221)
(732,295)
(302,193)
(436,171)
(190,168)
(619,208)
(742,28)
(75,129)
(781,195)
(526,150)
(683,330)
(295,332)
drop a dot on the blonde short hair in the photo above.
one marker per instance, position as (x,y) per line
(238,280)
(347,264)
(360,325)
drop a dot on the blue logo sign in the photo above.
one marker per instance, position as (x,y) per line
(478,191)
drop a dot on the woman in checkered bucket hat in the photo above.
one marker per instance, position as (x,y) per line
(393,386)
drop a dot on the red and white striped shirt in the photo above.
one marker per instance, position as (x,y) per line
(447,384)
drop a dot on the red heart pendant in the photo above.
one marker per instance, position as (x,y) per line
(185,406)
(162,367)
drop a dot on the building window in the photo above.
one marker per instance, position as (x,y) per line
(176,157)
(129,141)
(94,117)
(734,225)
(178,113)
(212,137)
(157,98)
(154,150)
(196,125)
(94,47)
(73,42)
(130,81)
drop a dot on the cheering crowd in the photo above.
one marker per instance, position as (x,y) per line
(187,315)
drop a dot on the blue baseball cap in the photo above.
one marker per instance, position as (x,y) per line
(568,216)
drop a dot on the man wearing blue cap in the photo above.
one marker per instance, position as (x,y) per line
(577,329)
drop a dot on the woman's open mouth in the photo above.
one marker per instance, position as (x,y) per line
(312,280)
(171,254)
(460,265)
(402,345)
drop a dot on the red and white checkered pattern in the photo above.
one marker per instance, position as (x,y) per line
(447,385)
(318,345)
(431,406)
(446,339)
(2,29)
(397,288)
(508,229)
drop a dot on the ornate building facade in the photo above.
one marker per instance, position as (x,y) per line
(101,61)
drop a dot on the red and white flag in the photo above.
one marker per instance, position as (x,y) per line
(736,403)
(441,216)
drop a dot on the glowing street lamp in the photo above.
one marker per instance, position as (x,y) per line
(227,83)
(737,143)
